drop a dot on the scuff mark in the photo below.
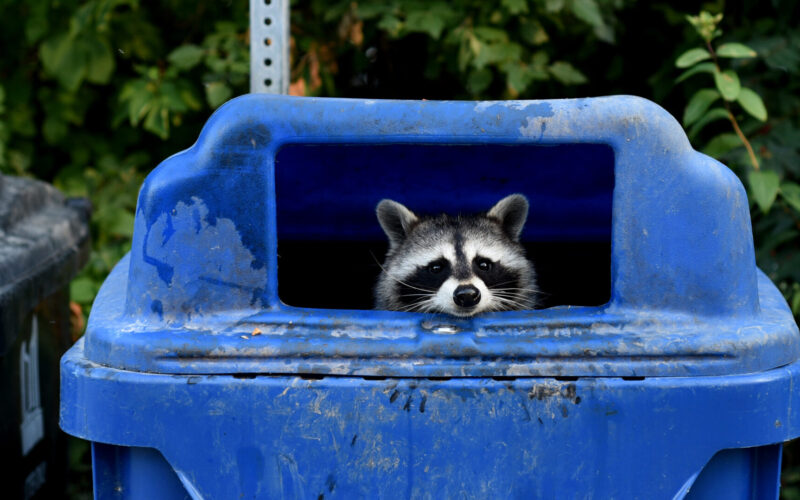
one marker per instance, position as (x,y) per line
(330,482)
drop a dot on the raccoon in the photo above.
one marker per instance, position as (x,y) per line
(461,265)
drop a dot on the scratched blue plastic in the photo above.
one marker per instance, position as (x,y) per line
(166,386)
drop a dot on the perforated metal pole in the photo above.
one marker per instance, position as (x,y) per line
(269,46)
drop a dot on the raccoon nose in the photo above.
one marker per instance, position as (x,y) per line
(466,296)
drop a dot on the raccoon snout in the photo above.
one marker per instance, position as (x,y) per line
(466,296)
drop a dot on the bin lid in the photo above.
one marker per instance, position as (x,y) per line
(199,291)
(44,241)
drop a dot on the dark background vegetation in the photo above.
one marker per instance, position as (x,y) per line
(94,94)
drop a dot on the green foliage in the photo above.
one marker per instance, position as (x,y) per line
(762,149)
(95,93)
(706,25)
(764,186)
(752,103)
(503,49)
(698,105)
(692,57)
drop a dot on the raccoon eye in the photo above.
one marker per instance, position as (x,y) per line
(435,268)
(484,264)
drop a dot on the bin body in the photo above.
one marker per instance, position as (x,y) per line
(210,370)
(43,243)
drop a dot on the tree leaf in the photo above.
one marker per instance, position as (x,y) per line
(764,186)
(157,122)
(83,290)
(587,11)
(390,24)
(533,32)
(567,74)
(217,93)
(795,302)
(604,32)
(692,57)
(120,222)
(490,35)
(188,95)
(186,56)
(54,129)
(790,192)
(100,64)
(64,60)
(752,103)
(710,116)
(721,144)
(727,83)
(479,80)
(425,21)
(369,11)
(140,99)
(517,76)
(36,27)
(706,67)
(171,98)
(497,53)
(735,50)
(515,6)
(698,105)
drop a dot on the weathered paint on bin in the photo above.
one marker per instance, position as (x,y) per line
(407,405)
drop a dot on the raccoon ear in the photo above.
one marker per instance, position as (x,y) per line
(396,220)
(511,212)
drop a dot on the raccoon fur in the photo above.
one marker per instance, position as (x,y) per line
(462,265)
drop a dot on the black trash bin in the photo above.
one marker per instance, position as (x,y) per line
(44,240)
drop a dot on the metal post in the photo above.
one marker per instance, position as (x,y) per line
(269,46)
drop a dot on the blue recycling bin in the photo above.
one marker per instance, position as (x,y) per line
(234,353)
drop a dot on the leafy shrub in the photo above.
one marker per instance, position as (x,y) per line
(94,94)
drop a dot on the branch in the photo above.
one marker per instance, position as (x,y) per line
(732,118)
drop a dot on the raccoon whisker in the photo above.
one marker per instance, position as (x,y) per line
(513,296)
(408,307)
(527,290)
(410,286)
(508,299)
(417,301)
(432,308)
(509,294)
(514,302)
(398,280)
(513,288)
(420,305)
(515,299)
(505,282)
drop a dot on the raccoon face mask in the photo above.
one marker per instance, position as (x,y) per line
(461,265)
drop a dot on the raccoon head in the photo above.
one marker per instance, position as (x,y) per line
(460,265)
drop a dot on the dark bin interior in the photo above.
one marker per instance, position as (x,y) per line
(330,243)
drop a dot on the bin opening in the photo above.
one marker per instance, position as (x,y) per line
(330,242)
